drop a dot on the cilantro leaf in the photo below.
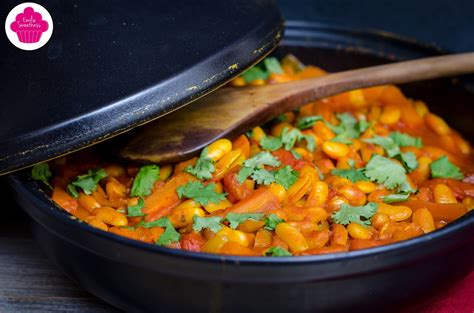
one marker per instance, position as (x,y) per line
(348,128)
(443,168)
(255,163)
(273,65)
(136,210)
(354,175)
(170,234)
(72,190)
(351,163)
(261,159)
(310,142)
(393,150)
(406,188)
(397,197)
(254,73)
(144,181)
(346,119)
(353,214)
(262,177)
(290,137)
(198,192)
(387,143)
(272,221)
(388,172)
(409,160)
(296,155)
(244,173)
(203,168)
(308,121)
(361,126)
(342,139)
(42,173)
(271,143)
(235,219)
(404,140)
(277,251)
(214,223)
(286,176)
(281,118)
(87,182)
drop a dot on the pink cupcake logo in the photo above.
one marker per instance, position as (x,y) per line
(29,26)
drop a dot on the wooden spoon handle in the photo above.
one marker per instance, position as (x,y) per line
(396,73)
(230,111)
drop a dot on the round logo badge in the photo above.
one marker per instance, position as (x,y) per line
(29,26)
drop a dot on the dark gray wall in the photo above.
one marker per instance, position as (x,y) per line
(447,23)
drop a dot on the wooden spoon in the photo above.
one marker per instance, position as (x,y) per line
(231,111)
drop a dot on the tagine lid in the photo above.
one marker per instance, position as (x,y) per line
(111,66)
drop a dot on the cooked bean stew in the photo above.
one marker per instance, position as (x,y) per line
(357,170)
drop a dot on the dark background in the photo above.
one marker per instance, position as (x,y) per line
(28,282)
(446,23)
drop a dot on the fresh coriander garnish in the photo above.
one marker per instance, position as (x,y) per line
(277,251)
(88,182)
(281,118)
(169,236)
(270,143)
(296,155)
(214,223)
(355,214)
(290,137)
(235,219)
(254,73)
(144,181)
(396,197)
(136,210)
(349,128)
(388,172)
(255,164)
(286,176)
(204,166)
(354,175)
(443,168)
(262,176)
(198,192)
(273,65)
(405,140)
(42,173)
(271,221)
(308,121)
(393,151)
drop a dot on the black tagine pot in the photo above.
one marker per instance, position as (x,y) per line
(140,277)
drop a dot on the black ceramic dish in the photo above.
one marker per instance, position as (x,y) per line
(135,276)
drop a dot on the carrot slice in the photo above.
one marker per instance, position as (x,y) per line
(165,198)
(260,201)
